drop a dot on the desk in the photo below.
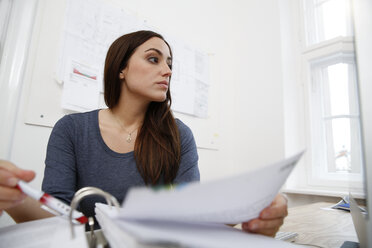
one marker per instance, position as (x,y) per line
(320,227)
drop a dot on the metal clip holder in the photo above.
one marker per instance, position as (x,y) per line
(79,195)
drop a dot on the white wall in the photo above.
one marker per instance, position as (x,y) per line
(246,100)
(293,88)
(258,95)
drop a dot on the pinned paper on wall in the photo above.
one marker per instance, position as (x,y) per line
(81,87)
(190,79)
(90,28)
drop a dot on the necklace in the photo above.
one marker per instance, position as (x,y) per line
(129,137)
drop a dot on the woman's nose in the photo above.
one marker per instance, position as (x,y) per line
(166,71)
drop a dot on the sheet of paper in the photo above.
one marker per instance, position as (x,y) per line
(201,99)
(232,200)
(113,233)
(190,79)
(175,234)
(90,28)
(81,87)
(46,233)
(202,66)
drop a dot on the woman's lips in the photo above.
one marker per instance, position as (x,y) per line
(163,84)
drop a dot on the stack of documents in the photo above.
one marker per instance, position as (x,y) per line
(148,233)
(194,215)
(45,233)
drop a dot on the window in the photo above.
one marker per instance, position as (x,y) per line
(327,19)
(334,118)
(334,131)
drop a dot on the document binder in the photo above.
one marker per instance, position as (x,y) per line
(93,238)
(88,191)
(53,232)
(57,231)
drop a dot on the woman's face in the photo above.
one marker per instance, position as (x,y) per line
(148,71)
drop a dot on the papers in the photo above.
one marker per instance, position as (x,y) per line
(90,28)
(176,234)
(52,232)
(81,87)
(190,79)
(194,215)
(233,200)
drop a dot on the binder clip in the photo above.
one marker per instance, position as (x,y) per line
(79,195)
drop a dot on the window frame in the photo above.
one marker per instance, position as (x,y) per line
(318,129)
(298,80)
(338,49)
(312,21)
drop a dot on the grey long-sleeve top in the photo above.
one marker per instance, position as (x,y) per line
(78,157)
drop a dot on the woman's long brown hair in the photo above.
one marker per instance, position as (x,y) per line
(157,149)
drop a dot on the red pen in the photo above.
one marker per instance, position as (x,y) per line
(51,202)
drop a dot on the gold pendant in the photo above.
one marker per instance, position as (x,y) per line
(129,138)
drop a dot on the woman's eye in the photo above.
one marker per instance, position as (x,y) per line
(153,59)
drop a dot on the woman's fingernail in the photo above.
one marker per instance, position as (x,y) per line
(253,226)
(12,181)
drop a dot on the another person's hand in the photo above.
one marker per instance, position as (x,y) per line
(270,219)
(9,177)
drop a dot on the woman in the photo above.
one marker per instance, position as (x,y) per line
(136,141)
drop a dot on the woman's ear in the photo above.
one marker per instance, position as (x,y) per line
(122,75)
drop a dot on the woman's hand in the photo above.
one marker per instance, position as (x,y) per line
(9,177)
(270,219)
